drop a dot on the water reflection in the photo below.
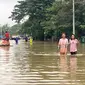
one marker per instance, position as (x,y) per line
(63,69)
(19,67)
(73,67)
(5,48)
(63,64)
(4,64)
(4,53)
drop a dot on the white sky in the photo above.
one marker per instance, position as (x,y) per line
(6,7)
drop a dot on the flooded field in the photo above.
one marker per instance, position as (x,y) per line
(38,64)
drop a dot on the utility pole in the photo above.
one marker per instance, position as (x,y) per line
(73,17)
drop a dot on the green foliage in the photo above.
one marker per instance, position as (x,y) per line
(15,29)
(4,28)
(48,18)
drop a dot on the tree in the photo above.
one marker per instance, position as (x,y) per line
(15,29)
(60,15)
(48,18)
(36,9)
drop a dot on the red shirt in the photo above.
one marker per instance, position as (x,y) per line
(7,35)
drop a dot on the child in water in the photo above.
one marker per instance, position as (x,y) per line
(63,43)
(30,41)
(73,45)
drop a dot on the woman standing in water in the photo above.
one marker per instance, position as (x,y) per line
(73,45)
(63,43)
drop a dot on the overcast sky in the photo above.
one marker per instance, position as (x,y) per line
(6,7)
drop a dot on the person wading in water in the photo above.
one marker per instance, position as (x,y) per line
(7,35)
(73,45)
(63,43)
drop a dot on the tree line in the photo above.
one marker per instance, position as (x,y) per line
(46,19)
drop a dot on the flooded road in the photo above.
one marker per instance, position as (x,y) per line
(25,64)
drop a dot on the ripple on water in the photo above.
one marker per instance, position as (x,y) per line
(19,67)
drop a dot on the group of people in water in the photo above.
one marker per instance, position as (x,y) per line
(5,40)
(64,43)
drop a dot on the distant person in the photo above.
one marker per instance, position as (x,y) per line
(73,45)
(63,43)
(16,40)
(7,35)
(26,39)
(31,41)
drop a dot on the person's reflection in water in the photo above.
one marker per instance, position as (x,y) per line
(63,69)
(73,67)
(5,52)
(5,48)
(63,64)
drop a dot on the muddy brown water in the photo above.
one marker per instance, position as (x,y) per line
(20,66)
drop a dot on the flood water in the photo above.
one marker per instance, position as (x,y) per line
(38,64)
